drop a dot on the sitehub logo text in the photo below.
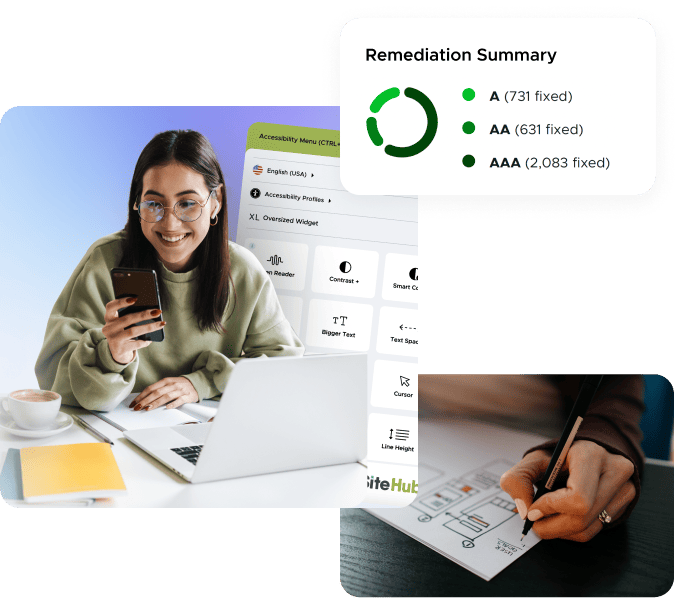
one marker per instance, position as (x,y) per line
(375,483)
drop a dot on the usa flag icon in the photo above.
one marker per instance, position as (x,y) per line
(257,169)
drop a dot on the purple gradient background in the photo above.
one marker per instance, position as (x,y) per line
(65,178)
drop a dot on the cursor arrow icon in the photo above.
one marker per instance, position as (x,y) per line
(404,381)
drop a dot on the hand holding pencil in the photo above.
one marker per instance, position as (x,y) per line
(598,487)
(597,481)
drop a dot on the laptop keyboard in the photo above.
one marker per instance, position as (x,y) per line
(190,453)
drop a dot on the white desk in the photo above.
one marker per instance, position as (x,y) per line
(151,484)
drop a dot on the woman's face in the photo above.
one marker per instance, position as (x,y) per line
(173,239)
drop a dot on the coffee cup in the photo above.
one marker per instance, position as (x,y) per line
(32,409)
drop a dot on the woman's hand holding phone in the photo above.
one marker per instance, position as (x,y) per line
(122,343)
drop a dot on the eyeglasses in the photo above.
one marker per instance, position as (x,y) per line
(187,210)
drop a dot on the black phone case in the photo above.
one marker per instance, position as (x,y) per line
(146,289)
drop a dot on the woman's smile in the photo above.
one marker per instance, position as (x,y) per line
(173,239)
(176,248)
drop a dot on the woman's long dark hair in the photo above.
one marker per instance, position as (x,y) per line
(212,256)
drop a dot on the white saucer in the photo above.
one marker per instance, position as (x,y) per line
(63,422)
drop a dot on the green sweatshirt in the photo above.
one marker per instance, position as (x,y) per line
(75,359)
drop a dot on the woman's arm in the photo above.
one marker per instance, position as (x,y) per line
(267,334)
(75,359)
(610,444)
(211,370)
(612,420)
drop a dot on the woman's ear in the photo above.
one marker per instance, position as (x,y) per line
(219,199)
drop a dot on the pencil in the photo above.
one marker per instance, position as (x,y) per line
(585,396)
(90,429)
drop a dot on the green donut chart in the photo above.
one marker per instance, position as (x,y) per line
(430,131)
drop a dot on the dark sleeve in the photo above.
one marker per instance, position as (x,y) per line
(612,420)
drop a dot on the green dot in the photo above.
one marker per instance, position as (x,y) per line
(468,94)
(468,161)
(468,127)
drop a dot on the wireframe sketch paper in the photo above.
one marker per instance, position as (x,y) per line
(460,510)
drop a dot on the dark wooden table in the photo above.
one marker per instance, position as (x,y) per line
(634,559)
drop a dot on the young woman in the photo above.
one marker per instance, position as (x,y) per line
(218,302)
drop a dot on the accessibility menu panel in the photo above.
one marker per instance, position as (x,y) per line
(345,269)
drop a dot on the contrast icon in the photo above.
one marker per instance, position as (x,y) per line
(345,267)
(430,131)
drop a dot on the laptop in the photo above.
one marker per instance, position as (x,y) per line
(276,414)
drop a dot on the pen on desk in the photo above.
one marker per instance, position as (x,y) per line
(90,429)
(585,395)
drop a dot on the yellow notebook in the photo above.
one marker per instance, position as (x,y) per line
(70,471)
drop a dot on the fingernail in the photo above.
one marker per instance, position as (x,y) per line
(130,300)
(148,408)
(535,515)
(138,407)
(521,507)
(163,323)
(155,312)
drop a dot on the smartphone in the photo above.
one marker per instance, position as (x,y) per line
(143,284)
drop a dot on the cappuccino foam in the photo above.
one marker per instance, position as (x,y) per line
(35,398)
